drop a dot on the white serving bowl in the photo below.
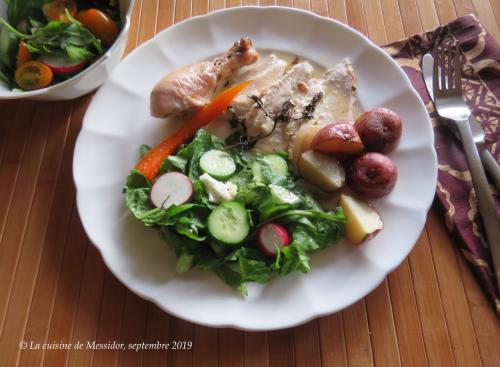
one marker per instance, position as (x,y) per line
(90,78)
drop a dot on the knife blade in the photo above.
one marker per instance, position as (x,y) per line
(489,162)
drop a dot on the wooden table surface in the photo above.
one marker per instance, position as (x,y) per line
(55,288)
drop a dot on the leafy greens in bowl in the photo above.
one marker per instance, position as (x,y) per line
(59,49)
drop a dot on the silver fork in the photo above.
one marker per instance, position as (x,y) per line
(450,104)
(489,163)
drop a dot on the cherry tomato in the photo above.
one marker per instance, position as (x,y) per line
(33,75)
(55,10)
(23,55)
(100,24)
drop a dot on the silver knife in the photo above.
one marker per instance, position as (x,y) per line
(489,163)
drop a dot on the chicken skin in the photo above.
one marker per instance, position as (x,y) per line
(186,90)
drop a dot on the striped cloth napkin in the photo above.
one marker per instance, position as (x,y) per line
(481,86)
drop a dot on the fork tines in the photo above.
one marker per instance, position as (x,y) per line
(448,56)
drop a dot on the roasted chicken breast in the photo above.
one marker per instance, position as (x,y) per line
(337,87)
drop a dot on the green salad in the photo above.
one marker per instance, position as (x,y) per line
(44,42)
(239,215)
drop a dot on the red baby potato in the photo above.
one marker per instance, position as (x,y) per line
(380,130)
(372,175)
(339,138)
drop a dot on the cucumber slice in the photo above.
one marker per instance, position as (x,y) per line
(282,195)
(9,44)
(276,162)
(228,223)
(218,164)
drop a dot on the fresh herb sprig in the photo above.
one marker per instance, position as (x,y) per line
(285,115)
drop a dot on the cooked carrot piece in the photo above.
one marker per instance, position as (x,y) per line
(150,164)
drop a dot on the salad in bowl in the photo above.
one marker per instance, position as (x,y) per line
(47,46)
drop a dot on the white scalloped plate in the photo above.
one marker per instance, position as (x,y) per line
(118,122)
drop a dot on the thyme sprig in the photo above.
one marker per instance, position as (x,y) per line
(284,115)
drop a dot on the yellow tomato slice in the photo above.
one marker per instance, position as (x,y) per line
(33,75)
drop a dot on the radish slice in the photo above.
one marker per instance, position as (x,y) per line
(61,65)
(272,236)
(171,188)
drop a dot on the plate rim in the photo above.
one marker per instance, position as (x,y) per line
(314,314)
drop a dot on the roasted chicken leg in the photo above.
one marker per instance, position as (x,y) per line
(185,90)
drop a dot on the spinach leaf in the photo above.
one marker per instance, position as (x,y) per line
(71,40)
(251,193)
(78,53)
(307,202)
(311,230)
(303,240)
(137,200)
(164,217)
(201,143)
(242,177)
(195,254)
(5,78)
(202,257)
(294,259)
(136,180)
(232,278)
(175,242)
(182,249)
(325,228)
(174,161)
(295,214)
(9,46)
(187,218)
(220,249)
(255,270)
(191,226)
(144,149)
(18,10)
(137,191)
(200,194)
(254,266)
(269,208)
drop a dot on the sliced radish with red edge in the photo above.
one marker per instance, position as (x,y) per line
(272,236)
(62,65)
(172,188)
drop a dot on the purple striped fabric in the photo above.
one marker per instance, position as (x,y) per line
(481,86)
